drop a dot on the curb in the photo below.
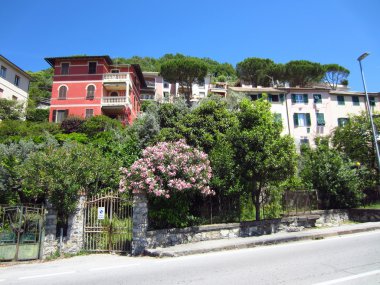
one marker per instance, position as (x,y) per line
(271,240)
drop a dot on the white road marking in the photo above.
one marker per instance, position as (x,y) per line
(113,267)
(45,275)
(340,280)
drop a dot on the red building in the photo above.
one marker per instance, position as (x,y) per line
(88,86)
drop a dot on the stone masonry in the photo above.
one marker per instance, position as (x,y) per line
(140,224)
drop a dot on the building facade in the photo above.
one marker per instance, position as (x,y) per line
(87,86)
(162,91)
(14,82)
(307,113)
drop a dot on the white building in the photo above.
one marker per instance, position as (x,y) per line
(310,112)
(14,82)
(162,91)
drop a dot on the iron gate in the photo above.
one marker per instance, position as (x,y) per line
(108,223)
(20,232)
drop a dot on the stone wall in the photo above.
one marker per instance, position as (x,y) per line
(169,237)
(364,215)
(331,218)
(73,242)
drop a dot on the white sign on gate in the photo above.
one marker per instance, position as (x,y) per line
(101,211)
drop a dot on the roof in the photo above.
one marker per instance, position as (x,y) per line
(337,92)
(256,90)
(151,73)
(51,60)
(7,61)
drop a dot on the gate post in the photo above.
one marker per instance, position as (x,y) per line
(75,230)
(49,242)
(140,223)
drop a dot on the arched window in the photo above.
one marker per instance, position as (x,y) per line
(90,92)
(114,94)
(62,92)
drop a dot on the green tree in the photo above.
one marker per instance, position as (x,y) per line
(339,185)
(356,141)
(186,72)
(263,156)
(255,70)
(10,110)
(302,72)
(335,74)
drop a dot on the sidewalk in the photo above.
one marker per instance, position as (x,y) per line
(247,242)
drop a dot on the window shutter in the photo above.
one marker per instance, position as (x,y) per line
(282,98)
(295,119)
(259,96)
(308,120)
(305,98)
(270,97)
(320,119)
(372,101)
(293,98)
(66,113)
(54,118)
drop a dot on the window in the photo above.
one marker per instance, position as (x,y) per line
(60,115)
(342,122)
(372,101)
(201,84)
(114,94)
(90,92)
(166,84)
(340,100)
(304,141)
(62,92)
(255,97)
(115,70)
(317,98)
(92,67)
(65,68)
(355,100)
(277,118)
(273,98)
(202,94)
(89,113)
(166,96)
(320,119)
(3,72)
(17,80)
(302,120)
(300,98)
(14,98)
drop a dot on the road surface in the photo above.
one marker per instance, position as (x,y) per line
(351,259)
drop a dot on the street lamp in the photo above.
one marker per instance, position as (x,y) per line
(360,58)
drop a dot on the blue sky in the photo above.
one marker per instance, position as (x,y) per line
(325,31)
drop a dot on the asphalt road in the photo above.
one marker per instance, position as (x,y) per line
(351,259)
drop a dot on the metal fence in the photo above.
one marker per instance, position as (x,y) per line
(299,201)
(108,223)
(20,232)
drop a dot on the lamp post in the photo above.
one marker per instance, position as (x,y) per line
(360,58)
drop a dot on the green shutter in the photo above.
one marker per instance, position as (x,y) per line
(270,97)
(355,100)
(372,101)
(295,119)
(340,100)
(282,98)
(308,120)
(259,96)
(305,98)
(320,119)
(293,98)
(317,98)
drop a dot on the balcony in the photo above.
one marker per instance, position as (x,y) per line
(150,83)
(116,77)
(115,101)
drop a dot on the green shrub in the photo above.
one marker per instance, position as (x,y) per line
(99,124)
(38,115)
(72,124)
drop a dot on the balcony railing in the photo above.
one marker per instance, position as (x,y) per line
(115,101)
(122,76)
(150,83)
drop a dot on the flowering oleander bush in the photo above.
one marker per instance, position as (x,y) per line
(168,168)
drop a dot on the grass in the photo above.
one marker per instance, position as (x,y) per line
(371,206)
